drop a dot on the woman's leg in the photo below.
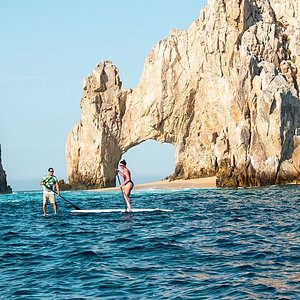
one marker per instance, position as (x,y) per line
(127,190)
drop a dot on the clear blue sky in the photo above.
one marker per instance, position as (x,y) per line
(47,48)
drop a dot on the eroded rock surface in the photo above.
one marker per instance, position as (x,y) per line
(4,188)
(225,93)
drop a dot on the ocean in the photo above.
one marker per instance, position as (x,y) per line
(216,244)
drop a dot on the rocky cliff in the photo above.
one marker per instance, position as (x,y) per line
(225,93)
(4,188)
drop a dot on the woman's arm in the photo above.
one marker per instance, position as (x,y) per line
(120,172)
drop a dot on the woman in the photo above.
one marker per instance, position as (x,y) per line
(127,185)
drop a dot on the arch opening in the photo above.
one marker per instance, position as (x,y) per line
(150,161)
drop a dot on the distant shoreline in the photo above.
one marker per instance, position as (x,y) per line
(207,182)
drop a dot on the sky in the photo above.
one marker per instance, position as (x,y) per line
(47,48)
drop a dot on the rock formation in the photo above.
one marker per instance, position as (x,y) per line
(225,93)
(4,188)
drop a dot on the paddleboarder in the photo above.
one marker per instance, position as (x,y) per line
(50,188)
(128,184)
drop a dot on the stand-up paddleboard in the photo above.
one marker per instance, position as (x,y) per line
(115,210)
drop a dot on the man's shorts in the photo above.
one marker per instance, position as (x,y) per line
(50,196)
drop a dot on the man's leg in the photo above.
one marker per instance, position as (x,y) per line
(45,204)
(55,207)
(52,200)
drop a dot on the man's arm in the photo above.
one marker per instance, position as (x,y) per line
(42,182)
(57,187)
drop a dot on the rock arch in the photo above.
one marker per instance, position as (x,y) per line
(115,120)
(224,93)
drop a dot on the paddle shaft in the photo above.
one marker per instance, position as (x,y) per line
(75,206)
(121,190)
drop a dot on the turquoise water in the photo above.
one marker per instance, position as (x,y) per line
(216,244)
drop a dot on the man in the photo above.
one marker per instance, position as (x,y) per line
(50,184)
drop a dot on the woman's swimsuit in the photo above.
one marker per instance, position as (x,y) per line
(129,182)
(125,178)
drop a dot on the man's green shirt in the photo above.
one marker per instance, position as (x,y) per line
(49,183)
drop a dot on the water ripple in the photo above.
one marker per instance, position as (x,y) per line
(216,244)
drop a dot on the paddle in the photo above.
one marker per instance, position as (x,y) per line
(122,191)
(75,206)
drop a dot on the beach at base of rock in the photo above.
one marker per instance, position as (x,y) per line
(207,182)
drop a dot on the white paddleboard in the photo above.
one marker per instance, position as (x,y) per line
(114,210)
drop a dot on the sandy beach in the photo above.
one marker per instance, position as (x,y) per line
(207,182)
